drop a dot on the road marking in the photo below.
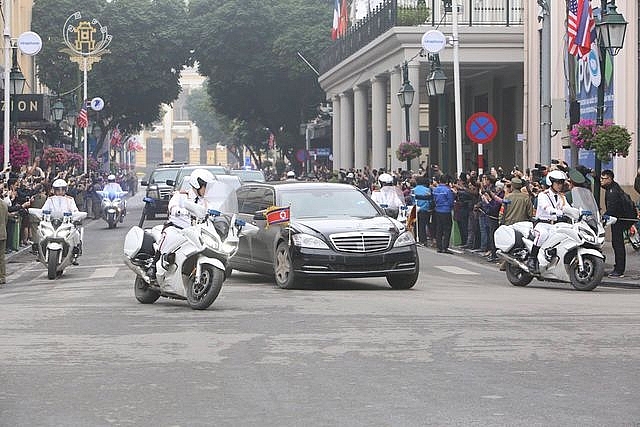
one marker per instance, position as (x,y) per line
(102,273)
(456,270)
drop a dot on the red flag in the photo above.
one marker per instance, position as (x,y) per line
(116,138)
(83,119)
(278,215)
(340,19)
(580,27)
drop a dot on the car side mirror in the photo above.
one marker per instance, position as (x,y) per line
(170,182)
(259,216)
(144,183)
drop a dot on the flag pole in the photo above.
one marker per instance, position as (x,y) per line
(84,100)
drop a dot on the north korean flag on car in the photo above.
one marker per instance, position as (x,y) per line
(277,215)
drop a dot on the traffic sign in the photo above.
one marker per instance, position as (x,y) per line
(481,128)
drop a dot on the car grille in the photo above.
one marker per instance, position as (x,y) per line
(165,193)
(361,242)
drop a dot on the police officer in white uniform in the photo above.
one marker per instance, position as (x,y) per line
(551,206)
(179,217)
(60,203)
(388,194)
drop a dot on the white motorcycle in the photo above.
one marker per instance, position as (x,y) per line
(59,239)
(196,269)
(114,206)
(572,253)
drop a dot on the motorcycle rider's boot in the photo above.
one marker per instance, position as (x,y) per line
(532,261)
(76,253)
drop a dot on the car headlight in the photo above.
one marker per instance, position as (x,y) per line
(404,239)
(307,241)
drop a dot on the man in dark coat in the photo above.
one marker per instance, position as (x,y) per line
(614,204)
(4,217)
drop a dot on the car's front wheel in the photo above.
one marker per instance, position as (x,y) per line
(404,281)
(283,267)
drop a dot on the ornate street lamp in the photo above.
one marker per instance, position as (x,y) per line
(611,30)
(437,79)
(16,78)
(57,111)
(405,97)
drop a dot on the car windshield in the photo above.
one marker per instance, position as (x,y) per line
(161,175)
(323,202)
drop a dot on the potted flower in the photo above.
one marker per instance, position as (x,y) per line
(408,150)
(606,140)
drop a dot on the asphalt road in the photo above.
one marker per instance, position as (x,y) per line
(463,347)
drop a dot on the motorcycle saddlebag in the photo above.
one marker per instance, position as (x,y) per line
(505,238)
(136,242)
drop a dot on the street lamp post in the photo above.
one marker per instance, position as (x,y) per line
(611,29)
(57,111)
(405,96)
(436,81)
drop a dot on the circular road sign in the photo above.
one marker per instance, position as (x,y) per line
(29,43)
(481,128)
(434,41)
(97,104)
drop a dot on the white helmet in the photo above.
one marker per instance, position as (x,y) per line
(199,178)
(385,179)
(556,176)
(111,178)
(59,184)
(291,174)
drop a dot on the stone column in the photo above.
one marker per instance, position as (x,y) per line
(346,130)
(397,118)
(335,127)
(360,107)
(378,122)
(414,110)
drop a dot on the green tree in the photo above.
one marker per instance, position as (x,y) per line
(138,74)
(202,113)
(248,50)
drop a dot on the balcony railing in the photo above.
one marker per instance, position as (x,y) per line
(400,13)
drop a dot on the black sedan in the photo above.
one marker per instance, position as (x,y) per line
(334,231)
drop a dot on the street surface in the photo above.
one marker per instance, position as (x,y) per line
(463,347)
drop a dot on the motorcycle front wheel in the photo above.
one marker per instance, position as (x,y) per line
(144,293)
(202,295)
(52,263)
(590,277)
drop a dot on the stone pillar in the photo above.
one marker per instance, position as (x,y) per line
(346,130)
(397,118)
(379,122)
(414,110)
(360,107)
(335,127)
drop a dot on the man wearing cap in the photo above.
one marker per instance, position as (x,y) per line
(291,176)
(518,206)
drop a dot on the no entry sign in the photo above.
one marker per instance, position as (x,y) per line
(481,128)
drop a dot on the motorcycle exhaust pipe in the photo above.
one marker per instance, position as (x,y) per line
(511,260)
(137,269)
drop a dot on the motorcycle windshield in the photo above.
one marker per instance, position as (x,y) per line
(582,198)
(221,196)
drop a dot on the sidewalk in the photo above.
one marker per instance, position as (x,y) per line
(631,275)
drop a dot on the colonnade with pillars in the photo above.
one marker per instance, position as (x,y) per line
(352,145)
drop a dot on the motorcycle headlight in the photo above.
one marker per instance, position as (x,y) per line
(46,229)
(229,247)
(64,232)
(587,235)
(307,241)
(404,239)
(208,240)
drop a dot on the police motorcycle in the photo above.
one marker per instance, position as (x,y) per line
(572,253)
(198,265)
(388,200)
(59,239)
(113,206)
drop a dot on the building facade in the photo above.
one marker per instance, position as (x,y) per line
(500,71)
